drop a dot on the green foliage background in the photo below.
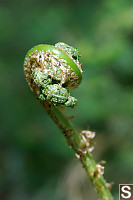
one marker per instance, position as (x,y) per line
(35,161)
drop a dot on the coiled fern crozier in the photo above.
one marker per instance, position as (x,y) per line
(51,71)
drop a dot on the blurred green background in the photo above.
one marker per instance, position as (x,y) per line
(35,160)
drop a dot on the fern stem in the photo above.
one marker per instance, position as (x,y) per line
(75,142)
(51,71)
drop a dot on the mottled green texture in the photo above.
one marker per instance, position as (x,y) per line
(55,72)
(61,54)
(54,92)
(58,95)
(74,52)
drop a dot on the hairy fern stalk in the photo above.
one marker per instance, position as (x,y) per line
(51,72)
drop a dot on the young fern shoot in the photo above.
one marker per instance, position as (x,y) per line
(51,71)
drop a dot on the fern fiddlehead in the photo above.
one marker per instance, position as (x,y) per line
(51,71)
